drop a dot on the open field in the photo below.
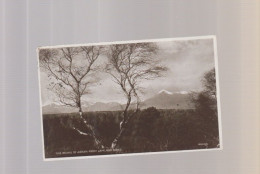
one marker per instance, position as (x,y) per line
(151,130)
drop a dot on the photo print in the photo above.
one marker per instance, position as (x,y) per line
(132,97)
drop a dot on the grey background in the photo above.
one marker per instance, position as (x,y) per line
(25,25)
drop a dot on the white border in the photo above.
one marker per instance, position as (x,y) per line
(218,93)
(138,41)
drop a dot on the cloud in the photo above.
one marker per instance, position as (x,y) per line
(187,62)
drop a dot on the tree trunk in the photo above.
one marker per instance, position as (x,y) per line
(98,144)
(123,124)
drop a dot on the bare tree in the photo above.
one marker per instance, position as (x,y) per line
(129,65)
(70,71)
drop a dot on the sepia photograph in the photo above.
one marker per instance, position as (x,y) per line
(129,97)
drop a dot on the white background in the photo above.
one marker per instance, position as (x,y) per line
(25,25)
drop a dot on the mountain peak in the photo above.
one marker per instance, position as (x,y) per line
(169,100)
(165,91)
(182,92)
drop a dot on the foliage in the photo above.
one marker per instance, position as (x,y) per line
(150,131)
(206,110)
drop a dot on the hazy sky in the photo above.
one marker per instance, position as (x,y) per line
(187,61)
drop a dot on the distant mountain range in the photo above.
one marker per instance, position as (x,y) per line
(162,100)
(167,100)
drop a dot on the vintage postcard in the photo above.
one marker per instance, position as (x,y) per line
(129,98)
